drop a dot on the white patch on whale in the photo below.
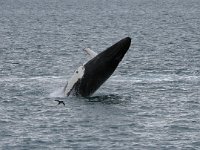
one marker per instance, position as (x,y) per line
(78,74)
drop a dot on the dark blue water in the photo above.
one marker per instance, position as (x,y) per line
(152,101)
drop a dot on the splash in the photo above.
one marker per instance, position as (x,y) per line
(57,93)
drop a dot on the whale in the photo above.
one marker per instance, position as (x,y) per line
(91,75)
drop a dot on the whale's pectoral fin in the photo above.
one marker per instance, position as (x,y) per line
(67,90)
(90,52)
(78,74)
(68,93)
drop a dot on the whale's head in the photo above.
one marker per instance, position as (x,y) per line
(101,67)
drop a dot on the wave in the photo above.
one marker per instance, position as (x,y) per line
(155,78)
(116,78)
(39,78)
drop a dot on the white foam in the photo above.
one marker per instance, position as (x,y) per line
(154,78)
(39,78)
(57,93)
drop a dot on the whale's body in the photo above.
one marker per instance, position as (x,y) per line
(89,77)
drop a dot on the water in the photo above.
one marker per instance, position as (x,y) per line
(150,102)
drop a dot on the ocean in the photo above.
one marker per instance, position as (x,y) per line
(152,101)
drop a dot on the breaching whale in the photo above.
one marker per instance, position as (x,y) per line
(91,75)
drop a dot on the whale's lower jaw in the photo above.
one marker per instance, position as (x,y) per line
(100,68)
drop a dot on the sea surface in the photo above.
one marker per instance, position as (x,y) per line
(151,102)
